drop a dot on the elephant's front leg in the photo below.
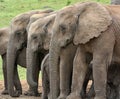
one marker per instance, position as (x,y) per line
(66,66)
(100,78)
(33,90)
(102,57)
(4,67)
(79,73)
(17,82)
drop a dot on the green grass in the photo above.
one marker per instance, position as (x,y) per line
(10,8)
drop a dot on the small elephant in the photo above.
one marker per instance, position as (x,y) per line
(39,36)
(93,28)
(16,45)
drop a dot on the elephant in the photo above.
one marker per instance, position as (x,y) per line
(16,45)
(116,2)
(4,37)
(39,35)
(93,28)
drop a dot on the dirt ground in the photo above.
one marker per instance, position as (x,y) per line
(25,88)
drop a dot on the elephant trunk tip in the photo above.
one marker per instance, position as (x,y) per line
(32,83)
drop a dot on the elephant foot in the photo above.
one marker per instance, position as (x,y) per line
(62,97)
(32,93)
(74,96)
(83,94)
(90,95)
(99,97)
(15,94)
(5,92)
(19,91)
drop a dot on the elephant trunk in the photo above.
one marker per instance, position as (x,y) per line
(54,69)
(31,64)
(11,58)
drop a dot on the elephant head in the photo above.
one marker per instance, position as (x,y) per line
(18,41)
(76,24)
(39,36)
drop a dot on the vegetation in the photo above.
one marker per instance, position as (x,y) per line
(10,8)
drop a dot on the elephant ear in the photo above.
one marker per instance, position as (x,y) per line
(93,19)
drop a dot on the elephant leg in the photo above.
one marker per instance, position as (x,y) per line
(66,66)
(91,93)
(17,83)
(33,90)
(79,73)
(100,65)
(87,78)
(4,67)
(45,82)
(118,92)
(102,57)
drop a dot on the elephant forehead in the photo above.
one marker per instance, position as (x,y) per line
(35,27)
(67,10)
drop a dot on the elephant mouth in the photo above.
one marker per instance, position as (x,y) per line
(42,50)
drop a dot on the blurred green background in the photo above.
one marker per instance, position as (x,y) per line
(10,8)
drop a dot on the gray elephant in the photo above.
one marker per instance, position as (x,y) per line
(4,37)
(39,35)
(116,2)
(94,29)
(18,43)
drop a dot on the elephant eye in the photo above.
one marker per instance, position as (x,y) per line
(63,29)
(18,33)
(34,37)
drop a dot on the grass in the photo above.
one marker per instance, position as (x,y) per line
(10,8)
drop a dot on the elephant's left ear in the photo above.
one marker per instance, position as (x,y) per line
(93,19)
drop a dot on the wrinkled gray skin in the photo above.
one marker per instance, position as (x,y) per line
(16,45)
(116,2)
(92,28)
(39,35)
